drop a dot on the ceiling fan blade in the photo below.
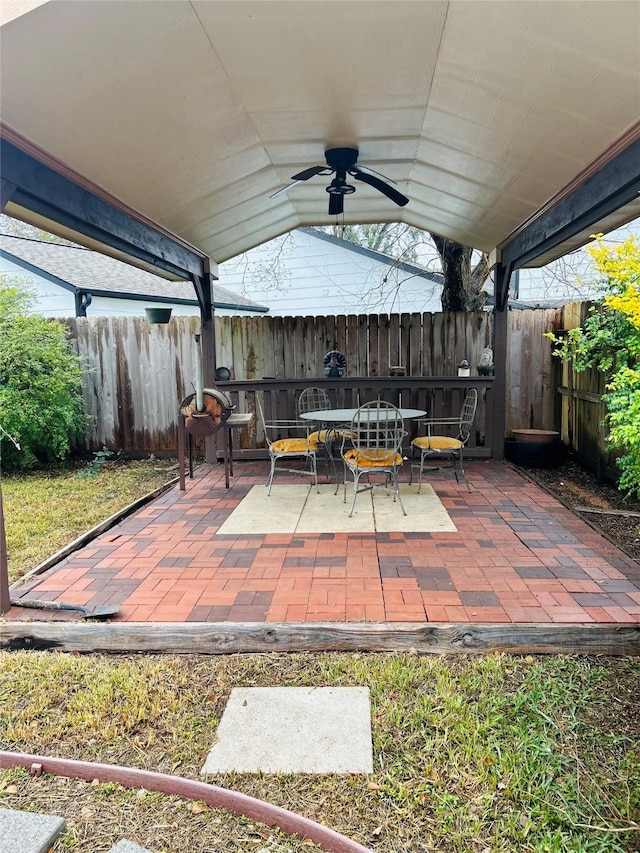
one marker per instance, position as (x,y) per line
(284,189)
(303,176)
(309,173)
(336,204)
(379,185)
(368,171)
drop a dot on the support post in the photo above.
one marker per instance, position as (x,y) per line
(204,290)
(5,597)
(501,277)
(7,189)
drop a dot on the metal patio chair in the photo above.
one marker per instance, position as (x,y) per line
(314,400)
(288,446)
(327,437)
(436,446)
(376,434)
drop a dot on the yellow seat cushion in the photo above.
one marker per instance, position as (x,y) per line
(372,458)
(437,442)
(291,445)
(321,436)
(317,437)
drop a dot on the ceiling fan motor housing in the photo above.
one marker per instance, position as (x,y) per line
(341,159)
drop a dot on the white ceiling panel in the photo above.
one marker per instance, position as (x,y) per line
(194,113)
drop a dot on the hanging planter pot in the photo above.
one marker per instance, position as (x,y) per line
(158,315)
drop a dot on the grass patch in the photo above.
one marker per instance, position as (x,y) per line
(497,753)
(45,510)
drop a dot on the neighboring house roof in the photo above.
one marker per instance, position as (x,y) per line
(81,270)
(308,272)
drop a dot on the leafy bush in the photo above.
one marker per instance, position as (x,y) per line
(41,407)
(609,340)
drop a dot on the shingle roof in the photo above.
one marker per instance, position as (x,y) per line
(84,270)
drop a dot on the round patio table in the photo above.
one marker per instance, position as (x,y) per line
(345,416)
(332,419)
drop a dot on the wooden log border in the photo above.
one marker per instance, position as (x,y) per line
(249,637)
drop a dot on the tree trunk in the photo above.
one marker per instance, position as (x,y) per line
(462,285)
(452,255)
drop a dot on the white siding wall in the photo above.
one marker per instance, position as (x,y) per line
(52,300)
(302,275)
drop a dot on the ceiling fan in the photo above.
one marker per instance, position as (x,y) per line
(342,162)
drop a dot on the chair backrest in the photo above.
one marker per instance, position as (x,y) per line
(313,400)
(260,414)
(377,425)
(269,429)
(467,414)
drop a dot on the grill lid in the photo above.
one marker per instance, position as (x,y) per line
(217,408)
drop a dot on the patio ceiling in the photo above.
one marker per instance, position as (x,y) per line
(191,114)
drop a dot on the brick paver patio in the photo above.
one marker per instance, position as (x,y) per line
(518,556)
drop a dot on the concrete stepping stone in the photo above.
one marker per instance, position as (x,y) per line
(28,832)
(125,846)
(294,730)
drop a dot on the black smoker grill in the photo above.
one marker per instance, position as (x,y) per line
(204,414)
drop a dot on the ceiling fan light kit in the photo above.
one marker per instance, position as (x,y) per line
(342,162)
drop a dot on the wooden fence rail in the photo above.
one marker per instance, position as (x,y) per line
(438,396)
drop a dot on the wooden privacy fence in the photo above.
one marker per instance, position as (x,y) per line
(137,373)
(581,408)
(294,347)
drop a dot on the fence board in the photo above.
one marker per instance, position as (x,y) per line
(363,346)
(342,343)
(351,353)
(419,346)
(224,349)
(374,338)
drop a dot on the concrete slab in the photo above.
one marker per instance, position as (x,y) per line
(425,511)
(294,730)
(28,832)
(258,512)
(297,508)
(328,513)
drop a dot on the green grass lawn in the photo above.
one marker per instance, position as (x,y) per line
(495,753)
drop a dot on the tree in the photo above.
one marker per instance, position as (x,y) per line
(40,383)
(462,286)
(609,340)
(464,275)
(17,228)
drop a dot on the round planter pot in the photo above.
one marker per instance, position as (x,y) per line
(534,454)
(158,315)
(536,435)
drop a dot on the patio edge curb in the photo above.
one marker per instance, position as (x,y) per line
(222,638)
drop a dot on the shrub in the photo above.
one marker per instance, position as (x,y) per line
(40,383)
